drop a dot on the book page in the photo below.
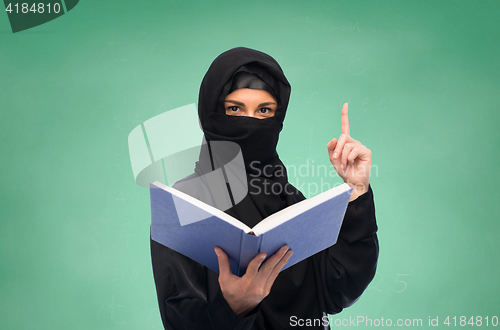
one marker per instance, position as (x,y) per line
(292,211)
(207,208)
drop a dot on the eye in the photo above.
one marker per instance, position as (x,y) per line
(265,110)
(233,108)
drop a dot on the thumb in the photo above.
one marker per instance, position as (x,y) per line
(224,268)
(331,146)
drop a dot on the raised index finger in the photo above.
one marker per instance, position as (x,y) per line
(344,121)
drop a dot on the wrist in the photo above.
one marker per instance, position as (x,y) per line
(358,190)
(240,307)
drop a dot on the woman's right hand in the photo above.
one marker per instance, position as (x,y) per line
(244,293)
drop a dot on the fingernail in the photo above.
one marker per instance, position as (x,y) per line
(284,248)
(342,166)
(216,252)
(335,155)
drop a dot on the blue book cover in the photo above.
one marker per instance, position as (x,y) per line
(194,228)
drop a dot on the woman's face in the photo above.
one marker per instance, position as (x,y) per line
(256,103)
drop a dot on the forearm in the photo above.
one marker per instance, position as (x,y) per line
(223,317)
(182,286)
(350,264)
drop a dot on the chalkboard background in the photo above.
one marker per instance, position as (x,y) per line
(422,82)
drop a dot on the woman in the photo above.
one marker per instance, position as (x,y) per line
(243,99)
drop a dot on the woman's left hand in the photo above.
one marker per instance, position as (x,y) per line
(350,158)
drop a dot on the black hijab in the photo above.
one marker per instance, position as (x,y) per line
(268,188)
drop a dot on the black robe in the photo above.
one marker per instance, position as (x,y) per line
(189,295)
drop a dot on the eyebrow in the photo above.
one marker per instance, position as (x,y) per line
(243,104)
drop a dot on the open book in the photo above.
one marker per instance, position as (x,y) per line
(307,227)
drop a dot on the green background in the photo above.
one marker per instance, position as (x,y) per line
(422,82)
